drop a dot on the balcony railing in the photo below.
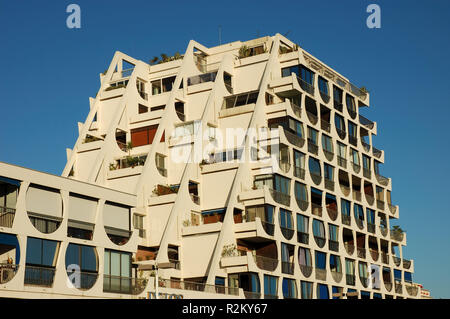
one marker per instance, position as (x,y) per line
(397,260)
(333,245)
(398,288)
(324,95)
(124,285)
(39,276)
(382,180)
(306,86)
(143,95)
(370,199)
(324,125)
(329,184)
(320,241)
(280,198)
(195,199)
(338,105)
(7,216)
(181,116)
(202,78)
(384,258)
(349,248)
(316,177)
(411,289)
(332,212)
(356,167)
(337,275)
(366,173)
(329,155)
(306,270)
(366,122)
(365,145)
(353,140)
(312,117)
(406,263)
(321,274)
(162,171)
(341,133)
(383,230)
(356,195)
(361,252)
(392,208)
(346,219)
(287,232)
(177,264)
(7,272)
(287,267)
(342,162)
(302,238)
(266,263)
(388,285)
(268,227)
(294,139)
(351,112)
(316,209)
(374,253)
(296,109)
(299,172)
(303,204)
(380,204)
(252,295)
(397,235)
(345,189)
(376,152)
(199,286)
(312,147)
(350,279)
(371,228)
(359,222)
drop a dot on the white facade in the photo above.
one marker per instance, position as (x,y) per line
(273,223)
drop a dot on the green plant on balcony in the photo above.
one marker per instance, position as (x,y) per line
(244,52)
(90,138)
(132,161)
(165,58)
(112,167)
(397,229)
(186,223)
(118,86)
(364,90)
(229,250)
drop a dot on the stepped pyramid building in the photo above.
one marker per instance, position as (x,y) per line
(239,171)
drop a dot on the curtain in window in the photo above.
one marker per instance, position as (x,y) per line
(306,288)
(285,218)
(300,192)
(345,207)
(321,260)
(322,291)
(335,264)
(304,257)
(302,223)
(341,150)
(349,267)
(318,228)
(333,232)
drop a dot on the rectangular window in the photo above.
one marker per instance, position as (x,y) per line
(299,159)
(312,135)
(144,135)
(345,207)
(327,143)
(341,150)
(328,172)
(302,223)
(270,285)
(337,94)
(321,260)
(307,75)
(282,184)
(285,218)
(306,289)
(323,85)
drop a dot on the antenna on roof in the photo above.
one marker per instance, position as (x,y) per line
(220,35)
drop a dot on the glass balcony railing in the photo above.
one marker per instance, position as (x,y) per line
(7,216)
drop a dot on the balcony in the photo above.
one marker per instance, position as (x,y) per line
(309,88)
(252,295)
(7,272)
(287,232)
(346,219)
(199,286)
(349,248)
(350,279)
(294,139)
(202,78)
(265,263)
(370,199)
(353,140)
(39,276)
(366,173)
(397,260)
(124,285)
(388,285)
(398,288)
(371,228)
(320,241)
(329,155)
(195,199)
(317,179)
(356,167)
(374,254)
(361,252)
(332,212)
(406,263)
(306,270)
(356,195)
(411,289)
(380,204)
(376,152)
(383,230)
(321,274)
(7,216)
(280,198)
(342,162)
(392,208)
(397,234)
(341,133)
(329,184)
(333,245)
(296,109)
(324,125)
(359,222)
(338,105)
(312,117)
(366,122)
(337,276)
(303,238)
(384,258)
(299,172)
(382,180)
(287,267)
(366,146)
(312,147)
(316,209)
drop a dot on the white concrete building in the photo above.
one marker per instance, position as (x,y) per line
(240,171)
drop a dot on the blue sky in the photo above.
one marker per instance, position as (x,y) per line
(49,71)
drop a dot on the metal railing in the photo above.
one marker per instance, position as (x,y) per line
(346,219)
(397,260)
(7,216)
(365,145)
(287,267)
(342,162)
(332,212)
(324,95)
(397,235)
(406,263)
(198,286)
(345,189)
(356,167)
(376,152)
(392,208)
(302,237)
(126,73)
(7,272)
(384,258)
(356,195)
(324,125)
(374,253)
(351,112)
(349,248)
(299,172)
(294,139)
(371,228)
(296,109)
(350,279)
(162,171)
(265,263)
(306,270)
(303,204)
(321,274)
(280,198)
(366,173)
(252,295)
(370,199)
(382,180)
(177,264)
(320,241)
(353,140)
(39,276)
(359,222)
(411,289)
(398,288)
(337,276)
(306,86)
(361,252)
(338,105)
(312,147)
(312,117)
(316,209)
(333,245)
(143,95)
(366,122)
(181,116)
(380,204)
(195,199)
(268,227)
(86,279)
(287,232)
(229,88)
(124,285)
(317,178)
(202,78)
(329,184)
(383,230)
